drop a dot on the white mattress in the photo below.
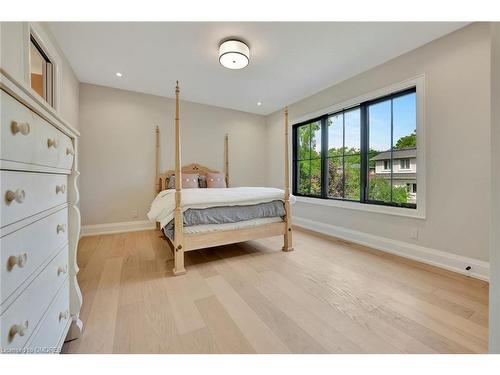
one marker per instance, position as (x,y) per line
(196,229)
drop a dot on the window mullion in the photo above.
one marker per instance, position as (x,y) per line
(295,161)
(343,155)
(310,153)
(392,146)
(324,157)
(364,153)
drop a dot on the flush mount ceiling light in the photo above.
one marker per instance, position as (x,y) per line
(118,74)
(234,54)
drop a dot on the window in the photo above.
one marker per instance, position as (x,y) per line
(350,154)
(308,159)
(343,158)
(41,71)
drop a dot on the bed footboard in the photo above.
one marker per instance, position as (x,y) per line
(219,238)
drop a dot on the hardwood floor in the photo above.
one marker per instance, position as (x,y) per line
(327,296)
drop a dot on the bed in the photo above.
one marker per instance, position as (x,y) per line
(201,217)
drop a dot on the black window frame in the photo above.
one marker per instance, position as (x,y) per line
(364,151)
(296,161)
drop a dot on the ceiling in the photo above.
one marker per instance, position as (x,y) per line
(288,60)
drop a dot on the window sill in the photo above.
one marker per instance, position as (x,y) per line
(379,209)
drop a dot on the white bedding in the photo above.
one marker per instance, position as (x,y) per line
(163,206)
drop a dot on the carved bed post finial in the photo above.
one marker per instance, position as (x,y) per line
(287,238)
(178,219)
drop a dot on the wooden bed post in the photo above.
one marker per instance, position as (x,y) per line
(157,172)
(226,158)
(178,223)
(287,237)
(157,175)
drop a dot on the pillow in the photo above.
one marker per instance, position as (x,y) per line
(202,181)
(186,181)
(190,181)
(216,180)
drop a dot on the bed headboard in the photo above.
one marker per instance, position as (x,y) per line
(161,179)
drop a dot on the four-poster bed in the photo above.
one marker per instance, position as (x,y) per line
(265,211)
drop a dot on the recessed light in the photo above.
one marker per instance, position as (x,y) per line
(259,103)
(118,74)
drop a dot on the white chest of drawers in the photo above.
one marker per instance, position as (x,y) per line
(40,299)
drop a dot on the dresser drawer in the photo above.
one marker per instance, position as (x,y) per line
(66,153)
(24,251)
(24,194)
(18,130)
(28,138)
(52,148)
(19,321)
(48,338)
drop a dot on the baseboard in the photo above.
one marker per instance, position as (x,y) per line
(479,269)
(109,228)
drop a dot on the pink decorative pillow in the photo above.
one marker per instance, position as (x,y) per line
(189,181)
(216,180)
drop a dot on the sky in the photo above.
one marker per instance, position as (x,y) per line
(404,117)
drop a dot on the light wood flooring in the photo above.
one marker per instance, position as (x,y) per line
(327,296)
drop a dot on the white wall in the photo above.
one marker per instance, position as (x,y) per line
(13,59)
(457,116)
(495,204)
(117,148)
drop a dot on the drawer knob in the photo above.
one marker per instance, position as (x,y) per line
(17,196)
(60,189)
(70,151)
(63,315)
(20,127)
(19,261)
(18,329)
(62,270)
(52,142)
(61,228)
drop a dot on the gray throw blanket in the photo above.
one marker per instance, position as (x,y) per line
(223,215)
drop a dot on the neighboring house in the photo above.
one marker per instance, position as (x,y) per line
(404,171)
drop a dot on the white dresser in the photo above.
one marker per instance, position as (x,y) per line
(40,299)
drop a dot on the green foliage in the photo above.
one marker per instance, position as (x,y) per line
(335,177)
(408,141)
(310,168)
(352,170)
(380,190)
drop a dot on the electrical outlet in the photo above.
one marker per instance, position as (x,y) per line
(134,213)
(414,233)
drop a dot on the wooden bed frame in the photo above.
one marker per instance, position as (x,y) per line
(187,242)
